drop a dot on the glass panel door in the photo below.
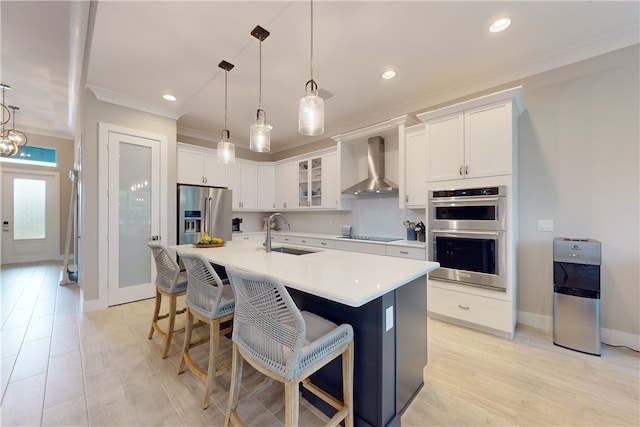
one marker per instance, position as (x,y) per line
(134,194)
(134,215)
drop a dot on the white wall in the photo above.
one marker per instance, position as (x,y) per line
(95,111)
(579,166)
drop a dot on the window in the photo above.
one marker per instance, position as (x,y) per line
(29,209)
(34,156)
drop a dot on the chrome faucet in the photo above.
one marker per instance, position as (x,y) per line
(267,242)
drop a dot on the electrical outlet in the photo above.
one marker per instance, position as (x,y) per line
(545,225)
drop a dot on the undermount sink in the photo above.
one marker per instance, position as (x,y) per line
(292,251)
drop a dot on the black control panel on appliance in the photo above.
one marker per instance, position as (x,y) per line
(486,191)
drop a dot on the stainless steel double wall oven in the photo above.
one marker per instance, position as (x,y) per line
(467,230)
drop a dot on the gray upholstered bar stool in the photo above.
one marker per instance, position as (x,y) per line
(277,339)
(210,302)
(171,284)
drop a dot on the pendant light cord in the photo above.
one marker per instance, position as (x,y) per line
(311,66)
(225,98)
(260,77)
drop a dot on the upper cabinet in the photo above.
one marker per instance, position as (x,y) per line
(310,182)
(266,186)
(200,166)
(286,185)
(473,139)
(415,176)
(243,182)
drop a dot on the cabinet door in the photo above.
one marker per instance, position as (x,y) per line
(315,182)
(190,164)
(215,173)
(415,162)
(248,185)
(330,189)
(445,142)
(488,140)
(233,182)
(304,199)
(287,186)
(266,187)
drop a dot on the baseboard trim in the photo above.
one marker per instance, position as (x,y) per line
(608,336)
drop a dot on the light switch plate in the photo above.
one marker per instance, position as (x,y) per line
(389,321)
(545,225)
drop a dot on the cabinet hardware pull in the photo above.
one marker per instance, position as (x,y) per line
(464,307)
(406,198)
(323,243)
(404,252)
(466,169)
(303,241)
(460,170)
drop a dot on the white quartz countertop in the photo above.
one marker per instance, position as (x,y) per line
(349,278)
(401,242)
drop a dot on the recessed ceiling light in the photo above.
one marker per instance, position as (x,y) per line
(169,97)
(500,25)
(389,74)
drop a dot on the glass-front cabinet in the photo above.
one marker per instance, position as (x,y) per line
(310,182)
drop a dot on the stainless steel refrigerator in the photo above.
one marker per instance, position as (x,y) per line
(203,209)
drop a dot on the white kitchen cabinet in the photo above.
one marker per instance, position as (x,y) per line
(489,314)
(406,252)
(266,187)
(243,181)
(415,160)
(310,182)
(473,139)
(331,196)
(364,247)
(200,166)
(286,186)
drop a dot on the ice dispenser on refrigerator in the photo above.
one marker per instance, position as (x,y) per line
(576,294)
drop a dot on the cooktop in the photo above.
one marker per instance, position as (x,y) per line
(370,238)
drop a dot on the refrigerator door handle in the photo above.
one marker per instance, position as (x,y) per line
(207,212)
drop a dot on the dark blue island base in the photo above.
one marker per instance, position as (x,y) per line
(390,335)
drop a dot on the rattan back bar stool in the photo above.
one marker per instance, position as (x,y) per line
(171,284)
(211,302)
(280,341)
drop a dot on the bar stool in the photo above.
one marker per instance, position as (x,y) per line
(170,284)
(210,302)
(283,343)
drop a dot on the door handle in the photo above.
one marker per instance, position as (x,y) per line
(154,238)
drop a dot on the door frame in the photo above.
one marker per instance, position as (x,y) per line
(103,199)
(53,221)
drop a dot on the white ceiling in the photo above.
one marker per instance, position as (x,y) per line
(140,50)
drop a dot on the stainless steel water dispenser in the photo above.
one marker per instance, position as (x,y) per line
(576,294)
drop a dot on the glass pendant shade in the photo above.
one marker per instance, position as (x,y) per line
(260,134)
(311,112)
(226,149)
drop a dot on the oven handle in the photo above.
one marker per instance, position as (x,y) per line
(453,200)
(450,233)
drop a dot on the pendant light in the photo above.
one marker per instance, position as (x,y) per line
(260,131)
(226,149)
(311,106)
(7,147)
(15,136)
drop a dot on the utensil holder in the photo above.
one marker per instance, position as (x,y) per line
(411,234)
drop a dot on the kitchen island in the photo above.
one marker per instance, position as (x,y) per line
(383,298)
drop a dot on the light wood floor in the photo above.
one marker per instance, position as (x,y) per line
(62,367)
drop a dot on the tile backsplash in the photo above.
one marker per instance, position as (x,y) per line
(371,215)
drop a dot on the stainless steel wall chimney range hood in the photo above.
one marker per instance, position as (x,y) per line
(376,182)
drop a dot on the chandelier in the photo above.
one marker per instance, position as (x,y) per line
(11,140)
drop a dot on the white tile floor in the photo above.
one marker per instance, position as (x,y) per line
(61,367)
